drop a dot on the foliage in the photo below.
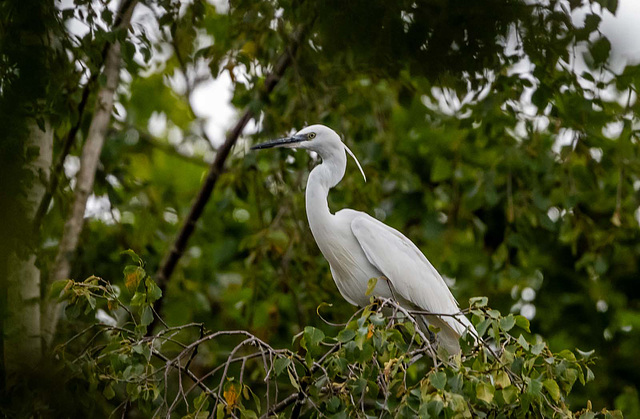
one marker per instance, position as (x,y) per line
(374,365)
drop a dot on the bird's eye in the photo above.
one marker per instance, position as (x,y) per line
(311,135)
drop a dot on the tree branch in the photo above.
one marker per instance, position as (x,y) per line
(217,167)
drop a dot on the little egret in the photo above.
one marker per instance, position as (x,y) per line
(358,247)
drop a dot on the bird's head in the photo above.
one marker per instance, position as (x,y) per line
(319,138)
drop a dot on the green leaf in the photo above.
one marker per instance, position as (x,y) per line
(438,379)
(371,285)
(57,287)
(534,388)
(478,301)
(108,391)
(552,387)
(249,414)
(91,300)
(591,22)
(154,292)
(294,383)
(346,335)
(537,348)
(484,392)
(333,404)
(313,336)
(523,323)
(482,327)
(494,314)
(441,170)
(590,375)
(138,299)
(567,354)
(256,400)
(133,256)
(600,50)
(202,401)
(434,407)
(507,323)
(280,364)
(586,355)
(457,403)
(74,310)
(509,394)
(523,342)
(147,316)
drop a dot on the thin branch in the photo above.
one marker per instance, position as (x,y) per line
(186,371)
(281,406)
(217,167)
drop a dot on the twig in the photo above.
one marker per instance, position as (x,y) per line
(281,406)
(191,375)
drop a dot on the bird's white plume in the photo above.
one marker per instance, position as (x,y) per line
(356,159)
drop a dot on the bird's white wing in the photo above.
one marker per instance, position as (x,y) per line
(411,274)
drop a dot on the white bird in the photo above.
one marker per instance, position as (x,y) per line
(358,247)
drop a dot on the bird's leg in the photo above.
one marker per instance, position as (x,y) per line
(431,335)
(393,294)
(425,323)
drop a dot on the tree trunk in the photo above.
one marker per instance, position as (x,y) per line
(22,337)
(84,182)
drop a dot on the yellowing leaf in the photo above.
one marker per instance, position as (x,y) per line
(485,392)
(552,387)
(112,305)
(231,395)
(502,380)
(132,277)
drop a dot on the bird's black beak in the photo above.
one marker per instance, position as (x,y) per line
(281,142)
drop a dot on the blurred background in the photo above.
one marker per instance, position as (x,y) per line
(500,136)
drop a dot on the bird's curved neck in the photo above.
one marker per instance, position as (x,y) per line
(321,179)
